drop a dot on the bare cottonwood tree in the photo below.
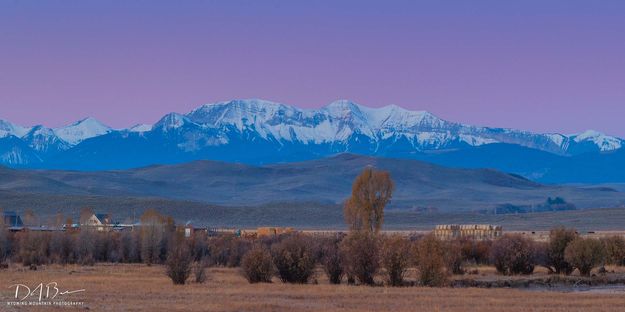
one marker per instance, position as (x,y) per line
(154,228)
(371,191)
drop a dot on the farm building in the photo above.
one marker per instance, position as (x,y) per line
(12,221)
(100,221)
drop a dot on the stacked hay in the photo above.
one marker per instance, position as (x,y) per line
(475,231)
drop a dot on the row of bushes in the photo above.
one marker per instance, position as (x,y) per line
(356,258)
(360,256)
(88,247)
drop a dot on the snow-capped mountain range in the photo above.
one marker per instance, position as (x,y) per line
(258,131)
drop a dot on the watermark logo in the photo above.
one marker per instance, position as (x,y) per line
(41,294)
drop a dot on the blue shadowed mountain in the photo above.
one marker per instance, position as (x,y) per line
(420,186)
(258,132)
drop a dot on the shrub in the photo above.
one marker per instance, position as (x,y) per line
(130,247)
(62,248)
(179,260)
(615,250)
(199,245)
(513,254)
(584,254)
(155,229)
(294,259)
(359,251)
(5,241)
(396,257)
(257,265)
(430,259)
(331,260)
(559,238)
(107,247)
(85,247)
(454,257)
(33,248)
(227,250)
(476,251)
(199,270)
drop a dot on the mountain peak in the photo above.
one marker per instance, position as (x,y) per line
(81,130)
(604,142)
(171,121)
(237,103)
(89,121)
(589,134)
(342,105)
(40,130)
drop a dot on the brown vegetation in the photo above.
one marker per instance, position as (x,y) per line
(371,191)
(179,261)
(615,250)
(514,254)
(154,234)
(227,250)
(293,258)
(584,254)
(331,259)
(257,265)
(360,255)
(396,258)
(431,262)
(554,260)
(131,287)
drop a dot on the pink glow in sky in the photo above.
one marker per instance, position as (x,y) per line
(549,66)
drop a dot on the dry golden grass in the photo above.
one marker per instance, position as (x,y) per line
(142,288)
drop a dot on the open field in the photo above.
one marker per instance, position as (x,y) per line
(143,288)
(302,215)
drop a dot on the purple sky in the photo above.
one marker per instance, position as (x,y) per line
(536,65)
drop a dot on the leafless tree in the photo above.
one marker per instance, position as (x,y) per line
(86,246)
(154,230)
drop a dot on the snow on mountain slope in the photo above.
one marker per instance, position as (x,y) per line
(171,121)
(140,128)
(341,120)
(42,139)
(277,132)
(602,141)
(7,128)
(337,121)
(82,130)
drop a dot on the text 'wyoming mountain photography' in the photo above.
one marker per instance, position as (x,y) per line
(312,155)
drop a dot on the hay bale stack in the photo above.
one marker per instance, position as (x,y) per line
(475,231)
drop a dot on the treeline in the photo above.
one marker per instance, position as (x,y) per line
(360,257)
